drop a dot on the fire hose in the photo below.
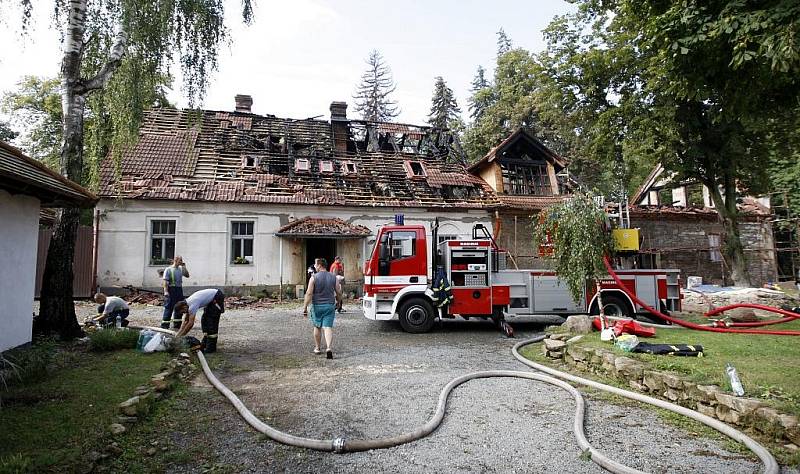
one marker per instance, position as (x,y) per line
(555,377)
(701,327)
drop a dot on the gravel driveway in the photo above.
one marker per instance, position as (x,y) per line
(384,381)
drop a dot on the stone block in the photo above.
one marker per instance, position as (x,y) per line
(628,368)
(117,429)
(130,407)
(637,386)
(743,406)
(724,413)
(559,337)
(793,434)
(674,395)
(672,381)
(578,324)
(162,382)
(702,393)
(577,352)
(707,410)
(554,345)
(653,380)
(127,419)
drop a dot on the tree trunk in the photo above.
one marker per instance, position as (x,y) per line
(57,310)
(733,251)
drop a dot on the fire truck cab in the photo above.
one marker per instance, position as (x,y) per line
(398,279)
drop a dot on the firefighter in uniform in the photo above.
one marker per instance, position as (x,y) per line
(172,282)
(442,292)
(212,301)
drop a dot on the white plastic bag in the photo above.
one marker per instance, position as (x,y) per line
(156,344)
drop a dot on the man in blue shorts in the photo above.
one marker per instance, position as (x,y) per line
(323,294)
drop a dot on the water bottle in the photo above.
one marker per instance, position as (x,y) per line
(733,377)
(119,321)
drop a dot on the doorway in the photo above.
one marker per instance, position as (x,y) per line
(320,248)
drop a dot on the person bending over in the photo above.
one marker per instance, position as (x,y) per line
(111,307)
(212,302)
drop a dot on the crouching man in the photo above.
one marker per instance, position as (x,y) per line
(212,301)
(111,307)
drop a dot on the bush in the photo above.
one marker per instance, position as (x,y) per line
(113,339)
(26,364)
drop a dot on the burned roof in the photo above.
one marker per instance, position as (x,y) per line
(317,227)
(20,174)
(244,157)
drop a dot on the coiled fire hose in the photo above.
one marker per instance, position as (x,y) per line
(342,445)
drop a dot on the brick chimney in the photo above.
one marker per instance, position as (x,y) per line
(243,103)
(340,126)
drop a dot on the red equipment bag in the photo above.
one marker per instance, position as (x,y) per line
(627,326)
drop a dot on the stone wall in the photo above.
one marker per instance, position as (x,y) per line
(682,242)
(709,400)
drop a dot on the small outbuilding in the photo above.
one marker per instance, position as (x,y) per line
(25,187)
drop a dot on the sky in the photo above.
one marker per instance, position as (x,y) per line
(300,55)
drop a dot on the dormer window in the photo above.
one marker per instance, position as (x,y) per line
(250,161)
(526,179)
(415,169)
(302,164)
(326,167)
(348,167)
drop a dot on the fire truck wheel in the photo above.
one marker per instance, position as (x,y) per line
(614,306)
(416,315)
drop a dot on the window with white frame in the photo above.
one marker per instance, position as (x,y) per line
(713,245)
(242,241)
(162,242)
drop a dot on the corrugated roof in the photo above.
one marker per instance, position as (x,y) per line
(21,174)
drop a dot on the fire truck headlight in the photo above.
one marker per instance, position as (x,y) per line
(368,304)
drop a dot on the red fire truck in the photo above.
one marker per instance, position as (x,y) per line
(398,281)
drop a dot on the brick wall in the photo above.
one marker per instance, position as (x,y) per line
(679,241)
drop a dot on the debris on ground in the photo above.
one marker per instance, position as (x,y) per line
(703,298)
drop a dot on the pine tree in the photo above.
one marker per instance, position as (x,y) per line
(372,96)
(503,43)
(444,108)
(481,94)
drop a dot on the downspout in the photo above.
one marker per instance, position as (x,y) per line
(95,240)
(498,225)
(280,269)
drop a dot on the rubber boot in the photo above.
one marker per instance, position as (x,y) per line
(210,344)
(176,323)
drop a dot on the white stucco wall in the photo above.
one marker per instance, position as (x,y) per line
(203,239)
(19,234)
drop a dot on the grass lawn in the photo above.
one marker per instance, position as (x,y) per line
(50,425)
(768,366)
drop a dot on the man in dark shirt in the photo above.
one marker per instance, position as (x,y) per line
(322,294)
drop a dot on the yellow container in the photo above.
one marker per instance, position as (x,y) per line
(626,240)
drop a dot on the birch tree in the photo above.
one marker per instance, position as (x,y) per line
(116,54)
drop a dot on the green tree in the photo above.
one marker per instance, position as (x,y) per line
(696,85)
(6,133)
(576,231)
(503,43)
(36,106)
(513,92)
(444,107)
(116,55)
(481,94)
(372,95)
